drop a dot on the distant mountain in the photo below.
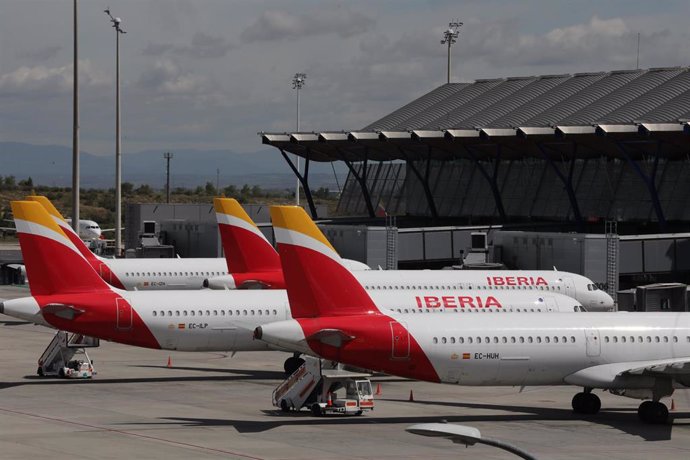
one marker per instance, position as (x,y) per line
(52,165)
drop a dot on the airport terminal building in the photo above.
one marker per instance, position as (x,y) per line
(604,155)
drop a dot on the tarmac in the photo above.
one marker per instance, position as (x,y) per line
(216,405)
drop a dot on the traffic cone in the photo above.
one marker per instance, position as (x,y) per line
(169,361)
(411,396)
(330,401)
(673,405)
(378,390)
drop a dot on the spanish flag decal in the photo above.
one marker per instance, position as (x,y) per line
(180,326)
(465,356)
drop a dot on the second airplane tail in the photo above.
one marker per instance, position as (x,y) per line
(246,249)
(53,263)
(318,284)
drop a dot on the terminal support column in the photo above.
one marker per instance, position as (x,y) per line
(424,180)
(491,178)
(362,179)
(567,182)
(304,180)
(649,180)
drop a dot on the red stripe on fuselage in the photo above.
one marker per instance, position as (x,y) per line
(100,318)
(372,347)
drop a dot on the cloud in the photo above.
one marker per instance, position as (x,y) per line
(280,25)
(604,44)
(202,46)
(40,54)
(167,78)
(49,81)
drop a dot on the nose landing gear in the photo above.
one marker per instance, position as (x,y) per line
(586,402)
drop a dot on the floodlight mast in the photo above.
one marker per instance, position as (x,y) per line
(116,22)
(450,36)
(75,125)
(297,83)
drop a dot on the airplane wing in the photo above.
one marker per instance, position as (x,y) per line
(614,374)
(110,229)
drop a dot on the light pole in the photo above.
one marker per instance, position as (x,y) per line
(75,128)
(118,154)
(450,36)
(466,435)
(168,156)
(298,83)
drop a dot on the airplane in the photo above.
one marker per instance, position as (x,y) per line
(69,295)
(157,274)
(88,229)
(242,241)
(141,274)
(252,261)
(638,355)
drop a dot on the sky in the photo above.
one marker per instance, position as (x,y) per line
(211,74)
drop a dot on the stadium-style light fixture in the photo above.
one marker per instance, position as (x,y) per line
(116,22)
(297,83)
(450,36)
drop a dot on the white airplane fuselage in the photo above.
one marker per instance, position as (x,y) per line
(225,320)
(584,349)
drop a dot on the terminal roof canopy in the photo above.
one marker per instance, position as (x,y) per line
(622,113)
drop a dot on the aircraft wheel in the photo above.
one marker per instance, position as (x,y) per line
(39,371)
(316,410)
(653,412)
(577,403)
(284,406)
(292,364)
(592,404)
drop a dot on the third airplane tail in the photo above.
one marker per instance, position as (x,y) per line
(54,265)
(329,289)
(97,264)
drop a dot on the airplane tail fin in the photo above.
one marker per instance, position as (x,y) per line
(53,263)
(65,227)
(318,284)
(246,248)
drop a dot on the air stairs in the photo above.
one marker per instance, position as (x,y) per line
(61,350)
(314,383)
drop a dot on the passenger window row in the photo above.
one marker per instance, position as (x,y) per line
(505,339)
(462,287)
(641,339)
(243,312)
(471,310)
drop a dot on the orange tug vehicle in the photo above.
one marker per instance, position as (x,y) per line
(319,386)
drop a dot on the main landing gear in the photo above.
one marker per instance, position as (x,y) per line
(586,402)
(292,364)
(654,412)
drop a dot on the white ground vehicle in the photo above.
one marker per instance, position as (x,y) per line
(324,388)
(77,369)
